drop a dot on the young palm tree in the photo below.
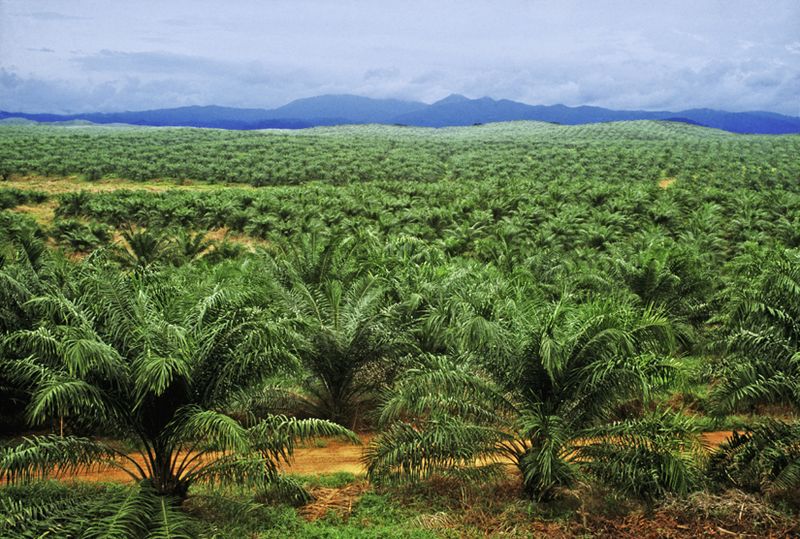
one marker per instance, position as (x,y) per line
(550,409)
(131,356)
(350,347)
(762,338)
(25,269)
(762,341)
(190,246)
(670,278)
(22,264)
(350,343)
(469,308)
(141,248)
(313,259)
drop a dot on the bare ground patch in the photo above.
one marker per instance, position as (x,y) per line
(339,501)
(666,182)
(43,213)
(56,185)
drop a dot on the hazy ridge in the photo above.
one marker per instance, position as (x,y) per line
(454,110)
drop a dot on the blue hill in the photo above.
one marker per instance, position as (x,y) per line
(454,110)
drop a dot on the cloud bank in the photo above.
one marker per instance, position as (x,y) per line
(63,56)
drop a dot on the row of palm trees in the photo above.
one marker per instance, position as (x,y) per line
(216,372)
(365,153)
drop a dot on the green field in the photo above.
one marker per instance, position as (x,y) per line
(529,325)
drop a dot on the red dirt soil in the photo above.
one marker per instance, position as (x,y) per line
(715,439)
(335,456)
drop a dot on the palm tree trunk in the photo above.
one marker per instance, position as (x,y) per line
(164,479)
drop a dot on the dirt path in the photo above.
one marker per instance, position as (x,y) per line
(335,456)
(715,439)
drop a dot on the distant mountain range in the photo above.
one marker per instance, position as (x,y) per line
(454,110)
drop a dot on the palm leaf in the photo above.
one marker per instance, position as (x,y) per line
(37,457)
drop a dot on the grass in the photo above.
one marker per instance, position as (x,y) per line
(372,516)
(43,213)
(333,480)
(441,509)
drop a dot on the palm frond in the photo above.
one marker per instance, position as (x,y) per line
(214,429)
(276,437)
(443,385)
(239,470)
(169,522)
(403,453)
(284,489)
(129,518)
(646,457)
(61,396)
(38,457)
(153,374)
(765,458)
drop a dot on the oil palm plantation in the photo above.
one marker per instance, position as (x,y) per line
(552,408)
(150,358)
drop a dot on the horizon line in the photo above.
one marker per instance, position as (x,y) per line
(454,94)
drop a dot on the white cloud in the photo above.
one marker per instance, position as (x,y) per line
(670,55)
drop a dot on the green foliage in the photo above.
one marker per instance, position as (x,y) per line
(648,457)
(11,198)
(762,337)
(147,357)
(761,320)
(80,236)
(48,509)
(765,459)
(350,346)
(510,293)
(142,248)
(554,393)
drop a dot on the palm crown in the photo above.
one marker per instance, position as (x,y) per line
(551,408)
(146,358)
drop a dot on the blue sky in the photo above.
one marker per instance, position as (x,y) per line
(82,55)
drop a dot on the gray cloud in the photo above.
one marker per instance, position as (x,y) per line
(110,61)
(53,16)
(672,55)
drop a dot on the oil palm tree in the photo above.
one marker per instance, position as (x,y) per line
(191,246)
(671,278)
(131,356)
(762,338)
(351,342)
(463,307)
(25,269)
(142,248)
(350,347)
(551,408)
(762,366)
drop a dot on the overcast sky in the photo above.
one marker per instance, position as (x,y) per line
(82,55)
